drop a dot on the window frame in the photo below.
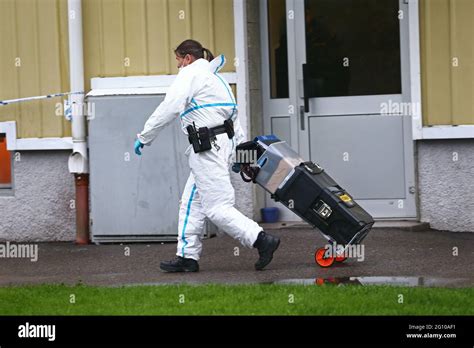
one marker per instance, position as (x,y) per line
(9,130)
(8,188)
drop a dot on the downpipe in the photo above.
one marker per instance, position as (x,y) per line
(82,208)
(78,162)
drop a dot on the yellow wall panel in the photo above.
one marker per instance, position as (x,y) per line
(447,43)
(179,14)
(33,61)
(158,41)
(435,57)
(49,66)
(224,32)
(121,38)
(9,88)
(29,124)
(147,31)
(113,39)
(135,37)
(202,24)
(92,30)
(462,47)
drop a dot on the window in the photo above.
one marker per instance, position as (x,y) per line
(353,47)
(278,49)
(5,164)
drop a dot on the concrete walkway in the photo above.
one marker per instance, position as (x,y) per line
(388,252)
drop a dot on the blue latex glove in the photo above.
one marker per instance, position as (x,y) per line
(236,167)
(138,147)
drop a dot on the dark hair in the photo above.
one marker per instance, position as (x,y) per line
(193,48)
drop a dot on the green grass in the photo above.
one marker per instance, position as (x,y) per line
(234,300)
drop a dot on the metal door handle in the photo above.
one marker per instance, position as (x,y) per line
(305,87)
(302,117)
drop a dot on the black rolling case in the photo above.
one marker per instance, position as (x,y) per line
(305,188)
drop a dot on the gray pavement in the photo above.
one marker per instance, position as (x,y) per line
(388,252)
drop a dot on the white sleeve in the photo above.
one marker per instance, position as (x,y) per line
(179,95)
(240,135)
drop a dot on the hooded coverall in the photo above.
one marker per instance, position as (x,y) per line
(200,95)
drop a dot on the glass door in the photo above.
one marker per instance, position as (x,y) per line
(332,70)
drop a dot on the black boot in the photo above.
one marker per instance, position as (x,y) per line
(180,264)
(266,245)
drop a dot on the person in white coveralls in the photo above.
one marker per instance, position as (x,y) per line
(204,103)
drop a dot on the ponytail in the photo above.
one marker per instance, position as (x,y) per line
(209,55)
(193,48)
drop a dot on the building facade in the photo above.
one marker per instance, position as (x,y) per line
(380,93)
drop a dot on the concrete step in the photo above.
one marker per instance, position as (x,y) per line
(405,225)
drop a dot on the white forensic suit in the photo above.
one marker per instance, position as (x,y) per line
(200,95)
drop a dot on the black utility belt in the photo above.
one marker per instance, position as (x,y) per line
(203,138)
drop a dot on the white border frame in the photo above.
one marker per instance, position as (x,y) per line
(9,128)
(241,67)
(24,144)
(448,132)
(150,81)
(415,67)
(33,144)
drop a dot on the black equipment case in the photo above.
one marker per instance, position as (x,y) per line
(305,188)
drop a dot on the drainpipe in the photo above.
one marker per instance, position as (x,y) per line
(78,161)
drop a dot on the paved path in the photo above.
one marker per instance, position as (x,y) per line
(388,252)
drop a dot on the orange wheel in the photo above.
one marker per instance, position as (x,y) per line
(321,259)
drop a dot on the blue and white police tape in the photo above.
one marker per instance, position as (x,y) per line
(11,101)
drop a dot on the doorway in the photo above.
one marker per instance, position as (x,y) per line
(335,77)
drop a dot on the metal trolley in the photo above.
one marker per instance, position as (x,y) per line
(307,190)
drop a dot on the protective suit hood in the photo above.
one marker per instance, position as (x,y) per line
(217,63)
(214,66)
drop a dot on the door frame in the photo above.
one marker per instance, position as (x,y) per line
(410,93)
